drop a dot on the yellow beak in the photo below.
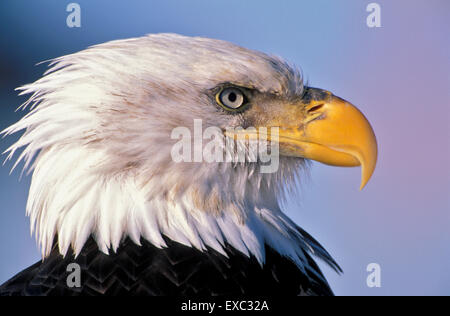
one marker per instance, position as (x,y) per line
(334,132)
(321,127)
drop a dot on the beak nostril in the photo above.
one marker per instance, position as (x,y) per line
(315,108)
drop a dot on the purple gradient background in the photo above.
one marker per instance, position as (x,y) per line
(398,75)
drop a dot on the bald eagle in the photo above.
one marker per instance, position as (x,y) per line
(107,194)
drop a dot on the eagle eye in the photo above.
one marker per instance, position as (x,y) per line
(231,99)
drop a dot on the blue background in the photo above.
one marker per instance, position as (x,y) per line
(398,75)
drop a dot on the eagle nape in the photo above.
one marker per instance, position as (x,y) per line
(108,195)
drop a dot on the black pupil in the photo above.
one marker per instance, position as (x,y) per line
(232,97)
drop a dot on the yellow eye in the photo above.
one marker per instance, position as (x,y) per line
(231,98)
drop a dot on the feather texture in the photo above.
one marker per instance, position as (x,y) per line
(97,142)
(176,271)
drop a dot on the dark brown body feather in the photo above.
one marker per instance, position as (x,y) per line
(176,271)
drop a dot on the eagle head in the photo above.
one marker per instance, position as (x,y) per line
(104,142)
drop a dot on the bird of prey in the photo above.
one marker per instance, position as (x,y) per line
(107,195)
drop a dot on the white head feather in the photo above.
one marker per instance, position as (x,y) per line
(99,129)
